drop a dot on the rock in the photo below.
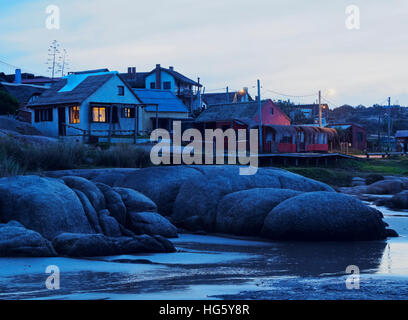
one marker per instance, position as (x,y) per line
(83,245)
(89,211)
(167,245)
(324,216)
(400,200)
(110,225)
(161,184)
(135,201)
(106,176)
(113,202)
(385,187)
(93,193)
(244,212)
(357,190)
(17,241)
(357,181)
(196,204)
(391,233)
(372,178)
(44,205)
(151,224)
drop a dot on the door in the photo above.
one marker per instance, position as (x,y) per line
(62,129)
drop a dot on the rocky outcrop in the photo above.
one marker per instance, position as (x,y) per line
(113,202)
(244,212)
(136,201)
(84,245)
(322,216)
(385,187)
(90,211)
(17,241)
(150,223)
(110,225)
(44,205)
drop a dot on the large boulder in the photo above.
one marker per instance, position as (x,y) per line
(44,205)
(90,211)
(150,223)
(161,184)
(17,241)
(197,201)
(114,202)
(94,245)
(324,216)
(244,212)
(110,225)
(93,193)
(385,187)
(399,200)
(135,201)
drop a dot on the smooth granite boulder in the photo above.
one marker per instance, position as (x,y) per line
(93,193)
(109,224)
(244,212)
(113,202)
(150,223)
(94,245)
(90,211)
(324,216)
(386,187)
(135,201)
(399,200)
(17,241)
(44,205)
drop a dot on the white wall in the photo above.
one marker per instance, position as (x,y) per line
(164,78)
(47,128)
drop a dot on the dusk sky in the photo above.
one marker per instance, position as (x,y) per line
(293,47)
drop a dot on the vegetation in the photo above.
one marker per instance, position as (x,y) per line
(8,104)
(20,158)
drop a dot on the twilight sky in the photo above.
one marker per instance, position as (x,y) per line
(294,47)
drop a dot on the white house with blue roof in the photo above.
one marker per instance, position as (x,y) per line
(97,105)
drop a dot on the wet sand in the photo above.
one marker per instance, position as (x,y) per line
(214,267)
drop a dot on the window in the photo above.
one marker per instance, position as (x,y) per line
(74,115)
(99,114)
(152,85)
(359,136)
(121,90)
(34,98)
(166,85)
(271,111)
(43,115)
(129,113)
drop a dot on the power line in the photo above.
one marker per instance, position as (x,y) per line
(291,95)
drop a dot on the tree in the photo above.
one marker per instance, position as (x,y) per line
(8,104)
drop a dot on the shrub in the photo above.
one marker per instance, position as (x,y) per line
(122,156)
(9,167)
(8,104)
(372,178)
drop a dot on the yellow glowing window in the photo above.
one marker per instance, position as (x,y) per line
(99,114)
(74,115)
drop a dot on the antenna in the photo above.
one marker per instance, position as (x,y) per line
(53,57)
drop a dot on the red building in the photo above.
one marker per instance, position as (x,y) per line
(352,134)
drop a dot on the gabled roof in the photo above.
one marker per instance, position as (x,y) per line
(177,76)
(243,111)
(135,80)
(22,92)
(166,100)
(221,98)
(73,89)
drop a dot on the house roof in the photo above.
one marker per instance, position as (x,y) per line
(22,92)
(73,89)
(166,100)
(243,111)
(135,80)
(344,125)
(177,76)
(401,134)
(221,98)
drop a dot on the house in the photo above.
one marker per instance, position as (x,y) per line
(402,140)
(167,106)
(187,90)
(243,114)
(96,104)
(311,111)
(226,97)
(24,94)
(352,134)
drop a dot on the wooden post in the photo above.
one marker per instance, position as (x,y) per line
(110,124)
(136,123)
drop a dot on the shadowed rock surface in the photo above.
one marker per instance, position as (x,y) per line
(150,223)
(110,225)
(113,202)
(136,201)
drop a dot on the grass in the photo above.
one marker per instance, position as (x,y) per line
(18,158)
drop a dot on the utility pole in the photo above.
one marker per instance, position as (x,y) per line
(389,124)
(320,109)
(260,117)
(227,94)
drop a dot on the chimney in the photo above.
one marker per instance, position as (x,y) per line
(158,76)
(129,70)
(134,71)
(245,98)
(171,68)
(17,78)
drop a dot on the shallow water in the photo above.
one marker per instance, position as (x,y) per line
(214,267)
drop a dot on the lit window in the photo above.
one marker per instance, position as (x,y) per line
(74,115)
(99,114)
(128,112)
